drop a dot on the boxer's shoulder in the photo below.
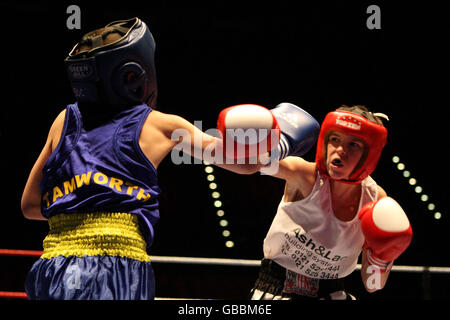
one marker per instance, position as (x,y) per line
(164,123)
(167,121)
(296,170)
(300,176)
(56,129)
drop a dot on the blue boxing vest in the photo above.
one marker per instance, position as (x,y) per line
(102,169)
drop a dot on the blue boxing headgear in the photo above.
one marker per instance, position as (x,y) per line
(121,73)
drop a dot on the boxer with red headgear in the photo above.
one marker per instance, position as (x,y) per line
(331,211)
(371,137)
(372,134)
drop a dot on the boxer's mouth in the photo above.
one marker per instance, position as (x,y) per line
(337,163)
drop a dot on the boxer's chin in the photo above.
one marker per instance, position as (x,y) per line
(337,172)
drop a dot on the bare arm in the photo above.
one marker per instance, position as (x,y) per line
(209,148)
(31,197)
(164,132)
(373,280)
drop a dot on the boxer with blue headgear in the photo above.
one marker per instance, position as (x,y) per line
(95,180)
(119,73)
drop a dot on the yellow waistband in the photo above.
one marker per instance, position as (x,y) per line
(79,234)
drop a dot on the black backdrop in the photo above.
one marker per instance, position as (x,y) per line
(317,55)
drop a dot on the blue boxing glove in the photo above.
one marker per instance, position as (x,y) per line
(299,130)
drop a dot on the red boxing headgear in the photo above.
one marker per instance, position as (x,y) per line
(373,134)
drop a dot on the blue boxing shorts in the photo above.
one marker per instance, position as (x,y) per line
(97,256)
(90,278)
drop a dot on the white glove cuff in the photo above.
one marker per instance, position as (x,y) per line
(383,265)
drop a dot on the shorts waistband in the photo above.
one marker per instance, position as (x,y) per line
(272,277)
(99,233)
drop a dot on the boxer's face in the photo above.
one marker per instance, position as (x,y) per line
(343,154)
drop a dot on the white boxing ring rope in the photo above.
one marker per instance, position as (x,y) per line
(225,262)
(257,263)
(206,261)
(210,261)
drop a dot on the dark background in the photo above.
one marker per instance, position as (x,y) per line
(317,55)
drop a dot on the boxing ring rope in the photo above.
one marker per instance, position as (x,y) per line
(23,253)
(204,261)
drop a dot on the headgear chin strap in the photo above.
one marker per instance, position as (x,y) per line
(373,134)
(121,73)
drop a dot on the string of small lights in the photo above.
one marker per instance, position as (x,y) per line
(215,194)
(417,188)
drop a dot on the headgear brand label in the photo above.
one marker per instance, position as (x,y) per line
(349,122)
(80,71)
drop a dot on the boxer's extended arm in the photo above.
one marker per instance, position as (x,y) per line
(162,132)
(165,133)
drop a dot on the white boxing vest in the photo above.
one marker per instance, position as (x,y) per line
(307,238)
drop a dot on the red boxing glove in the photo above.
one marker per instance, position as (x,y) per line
(387,231)
(247,130)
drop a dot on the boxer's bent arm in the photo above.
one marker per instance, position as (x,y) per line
(372,279)
(368,275)
(31,197)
